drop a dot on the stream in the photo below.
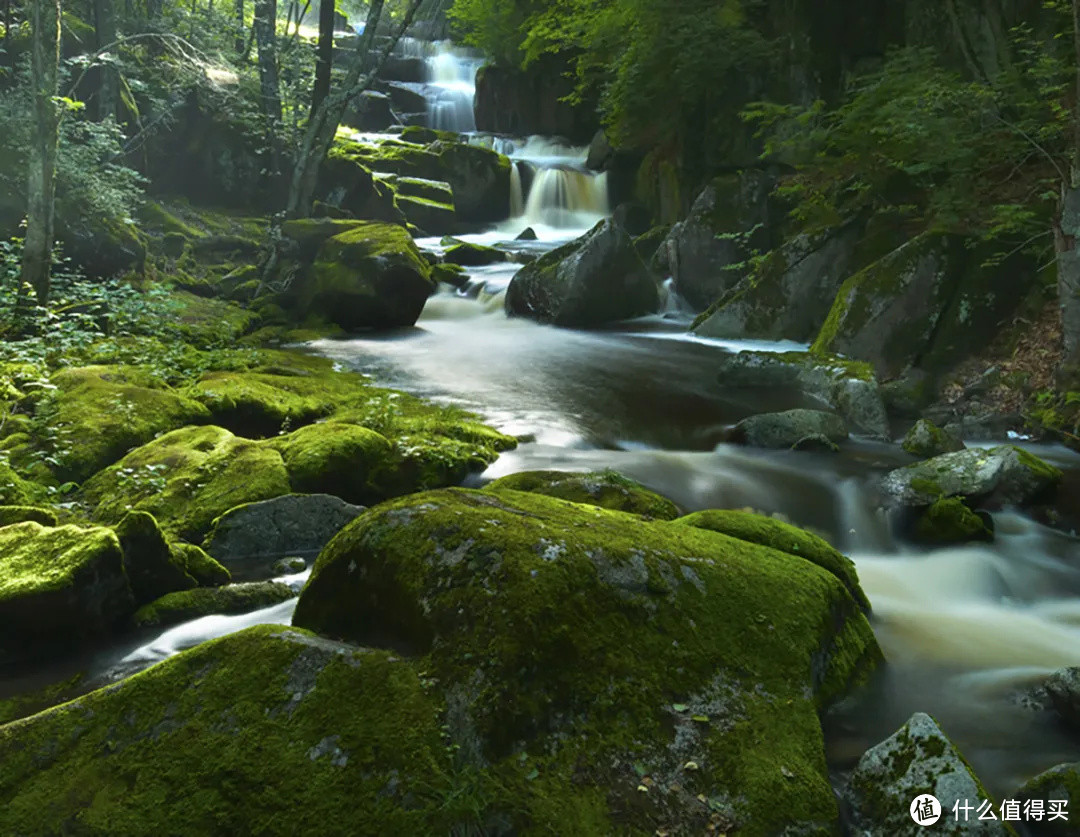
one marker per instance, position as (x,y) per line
(965,629)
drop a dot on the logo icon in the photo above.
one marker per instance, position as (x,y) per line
(925,809)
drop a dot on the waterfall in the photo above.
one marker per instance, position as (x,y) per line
(449,82)
(559,194)
(517,196)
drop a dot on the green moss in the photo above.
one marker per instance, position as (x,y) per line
(473,255)
(949,521)
(152,568)
(926,439)
(21,514)
(773,533)
(336,458)
(929,487)
(205,570)
(27,703)
(580,644)
(183,606)
(605,489)
(1040,468)
(324,734)
(97,413)
(186,478)
(16,491)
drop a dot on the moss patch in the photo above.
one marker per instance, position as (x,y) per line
(948,521)
(185,605)
(605,489)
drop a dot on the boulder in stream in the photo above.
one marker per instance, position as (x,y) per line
(918,759)
(606,489)
(848,387)
(185,605)
(1055,789)
(468,254)
(1004,475)
(1062,690)
(594,280)
(622,666)
(788,429)
(926,440)
(262,532)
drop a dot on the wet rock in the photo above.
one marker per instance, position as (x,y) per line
(786,429)
(728,220)
(183,606)
(926,440)
(451,274)
(907,395)
(10,515)
(370,276)
(816,442)
(406,99)
(545,620)
(467,254)
(1062,689)
(58,586)
(950,521)
(918,759)
(1005,475)
(848,387)
(606,489)
(150,564)
(370,111)
(527,234)
(593,280)
(270,726)
(1055,789)
(296,524)
(288,566)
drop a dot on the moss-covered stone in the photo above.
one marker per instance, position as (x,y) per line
(151,566)
(926,439)
(98,413)
(468,254)
(949,521)
(205,570)
(781,536)
(186,478)
(58,586)
(257,404)
(432,217)
(182,606)
(24,704)
(1060,784)
(605,489)
(345,460)
(371,276)
(268,731)
(584,649)
(16,491)
(21,514)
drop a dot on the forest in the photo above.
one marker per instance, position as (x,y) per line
(520,417)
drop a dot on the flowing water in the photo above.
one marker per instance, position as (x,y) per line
(965,629)
(450,82)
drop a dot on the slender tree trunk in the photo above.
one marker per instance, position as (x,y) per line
(109,83)
(1067,227)
(238,8)
(41,165)
(269,85)
(324,56)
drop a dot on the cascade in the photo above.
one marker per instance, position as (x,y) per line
(449,83)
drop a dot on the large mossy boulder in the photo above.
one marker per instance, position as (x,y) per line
(605,489)
(96,414)
(260,533)
(269,731)
(1005,475)
(186,479)
(589,650)
(847,387)
(346,460)
(152,568)
(1055,789)
(950,521)
(918,759)
(370,276)
(788,429)
(596,279)
(17,491)
(58,586)
(926,440)
(185,605)
(730,218)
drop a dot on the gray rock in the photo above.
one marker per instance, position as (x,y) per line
(292,525)
(729,219)
(1055,785)
(1005,475)
(787,429)
(917,759)
(926,439)
(849,388)
(288,566)
(596,279)
(1063,691)
(370,111)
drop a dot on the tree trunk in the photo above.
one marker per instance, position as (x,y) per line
(324,56)
(109,82)
(269,85)
(41,164)
(239,42)
(1067,226)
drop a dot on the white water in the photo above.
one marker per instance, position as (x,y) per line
(449,85)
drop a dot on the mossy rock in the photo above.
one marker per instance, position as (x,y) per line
(926,439)
(781,536)
(187,478)
(98,413)
(605,489)
(268,731)
(371,276)
(58,586)
(1060,784)
(310,233)
(467,254)
(199,565)
(26,703)
(451,274)
(152,567)
(344,460)
(417,187)
(582,649)
(950,521)
(17,491)
(433,217)
(10,515)
(186,605)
